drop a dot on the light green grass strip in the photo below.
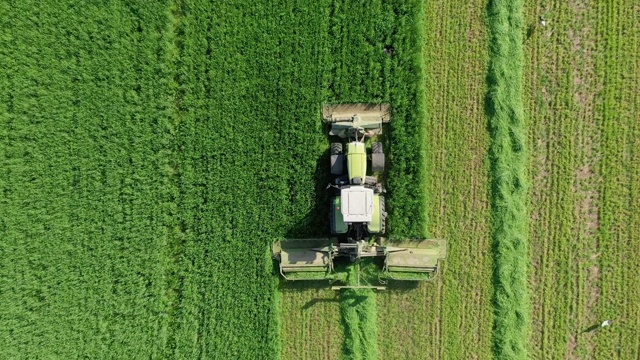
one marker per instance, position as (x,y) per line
(508,154)
(359,318)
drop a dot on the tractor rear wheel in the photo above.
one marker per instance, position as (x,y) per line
(337,159)
(377,157)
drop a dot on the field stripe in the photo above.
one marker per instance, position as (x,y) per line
(85,132)
(357,69)
(619,108)
(359,318)
(456,309)
(580,186)
(509,156)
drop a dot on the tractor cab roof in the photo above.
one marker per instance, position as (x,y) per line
(356,204)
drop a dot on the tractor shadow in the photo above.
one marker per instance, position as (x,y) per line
(316,222)
(319,290)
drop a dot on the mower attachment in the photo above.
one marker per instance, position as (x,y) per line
(305,259)
(356,119)
(414,260)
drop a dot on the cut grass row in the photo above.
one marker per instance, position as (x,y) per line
(584,129)
(509,181)
(359,316)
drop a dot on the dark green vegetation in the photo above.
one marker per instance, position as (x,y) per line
(360,71)
(151,154)
(509,182)
(582,102)
(140,187)
(86,193)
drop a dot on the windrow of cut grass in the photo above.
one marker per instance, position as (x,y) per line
(359,316)
(509,183)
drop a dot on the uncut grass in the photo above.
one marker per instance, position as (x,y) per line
(587,115)
(85,128)
(250,143)
(509,182)
(456,309)
(361,72)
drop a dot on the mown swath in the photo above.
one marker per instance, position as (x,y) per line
(581,101)
(456,310)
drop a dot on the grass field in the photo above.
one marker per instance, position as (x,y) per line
(581,81)
(84,156)
(163,149)
(358,70)
(439,318)
(151,153)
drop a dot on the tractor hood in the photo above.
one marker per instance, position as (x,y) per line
(356,162)
(356,204)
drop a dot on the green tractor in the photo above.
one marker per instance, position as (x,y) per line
(357,210)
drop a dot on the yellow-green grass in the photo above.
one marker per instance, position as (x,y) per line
(508,155)
(311,321)
(439,320)
(581,82)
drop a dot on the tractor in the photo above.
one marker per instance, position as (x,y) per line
(357,213)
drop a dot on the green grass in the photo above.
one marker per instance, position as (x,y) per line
(154,153)
(359,315)
(582,100)
(455,309)
(509,181)
(248,144)
(150,155)
(85,126)
(356,70)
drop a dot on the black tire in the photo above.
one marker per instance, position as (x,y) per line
(377,162)
(336,148)
(337,164)
(376,148)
